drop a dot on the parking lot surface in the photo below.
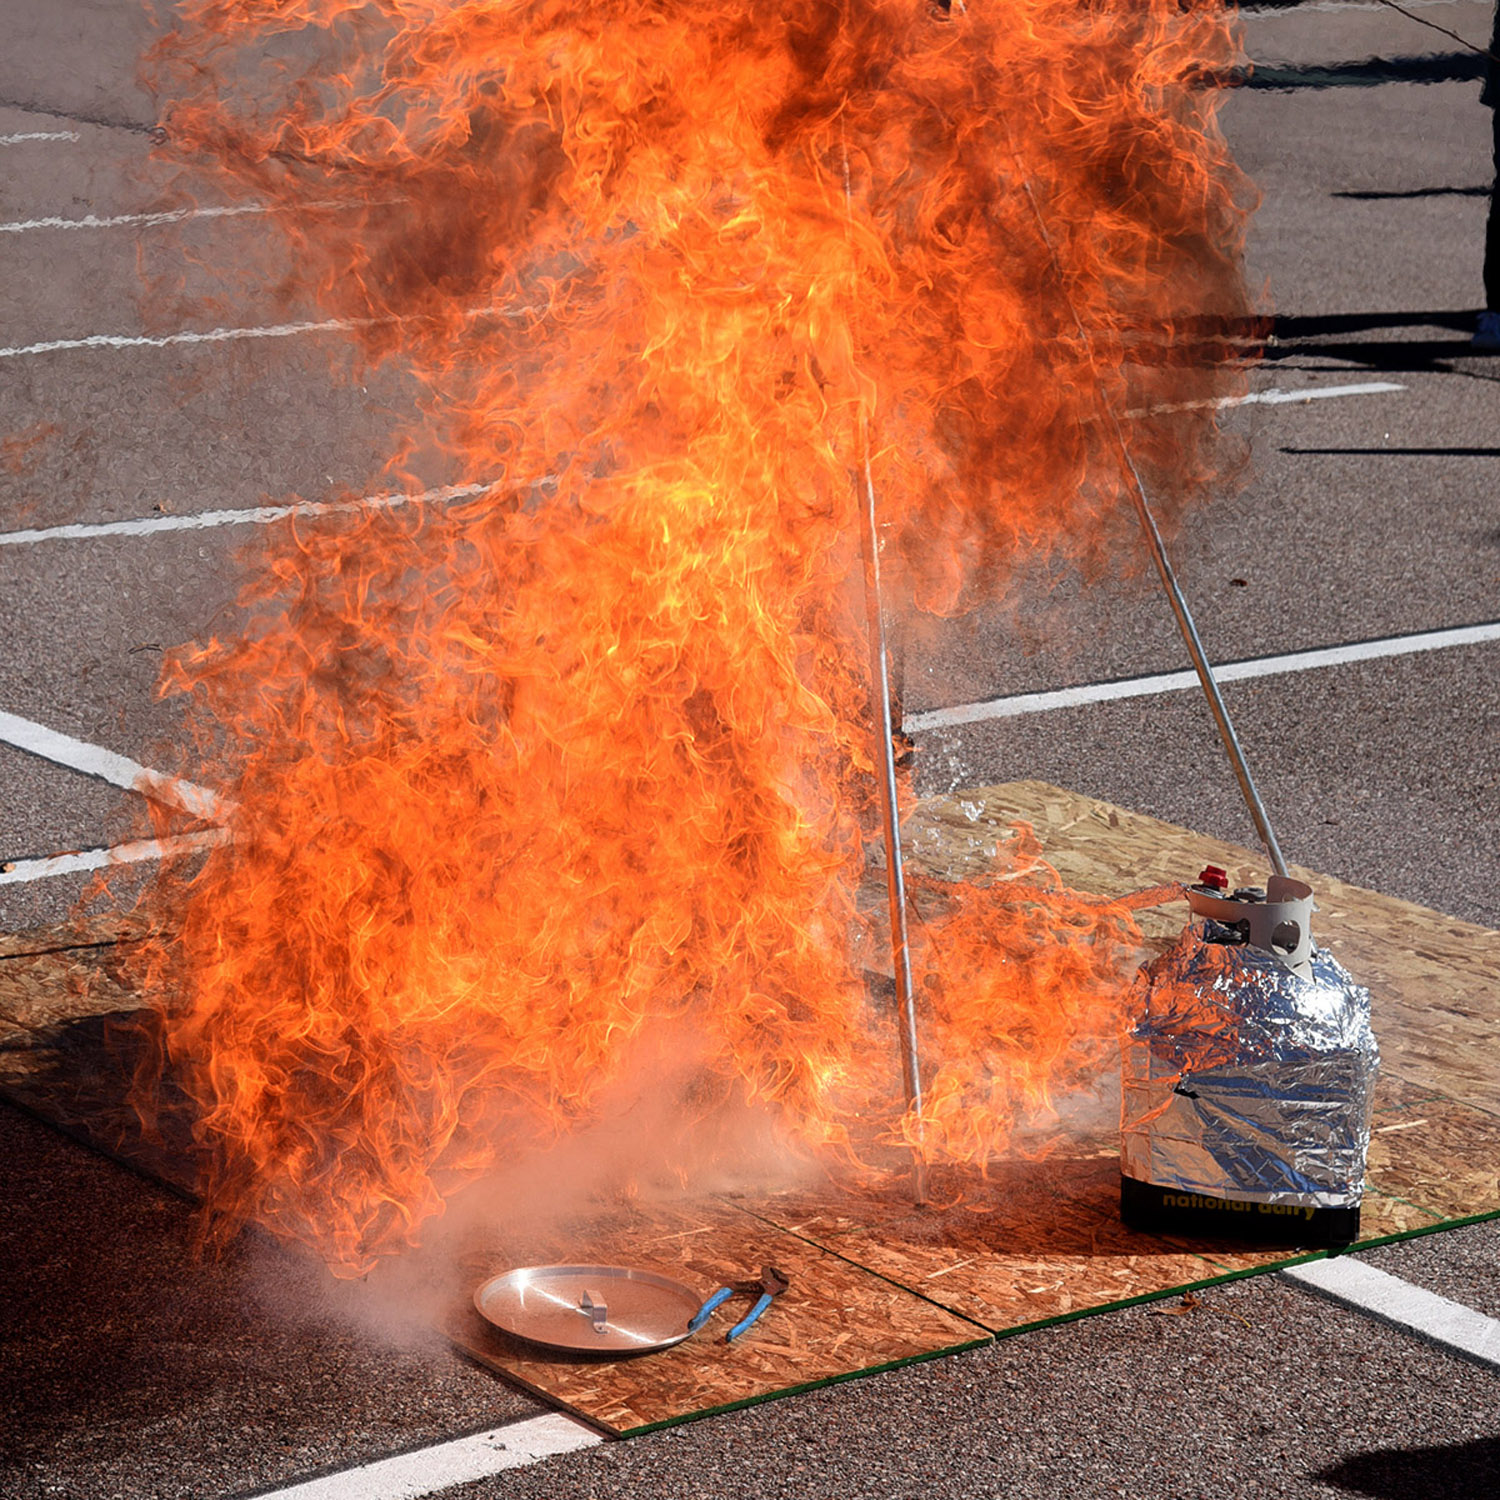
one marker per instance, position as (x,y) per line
(1370,513)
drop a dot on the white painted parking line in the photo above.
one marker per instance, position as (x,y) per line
(1178,682)
(151,220)
(1278,397)
(208,336)
(137,851)
(259,515)
(232,335)
(118,770)
(1370,1290)
(462,1461)
(1273,397)
(21,138)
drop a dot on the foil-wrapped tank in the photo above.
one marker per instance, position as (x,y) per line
(1249,1071)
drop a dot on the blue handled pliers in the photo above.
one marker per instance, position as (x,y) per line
(772,1283)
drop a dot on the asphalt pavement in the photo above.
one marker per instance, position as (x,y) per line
(131,1367)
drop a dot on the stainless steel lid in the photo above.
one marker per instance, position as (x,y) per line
(593,1309)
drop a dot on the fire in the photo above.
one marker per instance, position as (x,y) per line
(1022,982)
(522,776)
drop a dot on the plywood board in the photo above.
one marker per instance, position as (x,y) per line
(1025,1250)
(876,1282)
(71,1035)
(1444,1158)
(1435,980)
(835,1319)
(40,990)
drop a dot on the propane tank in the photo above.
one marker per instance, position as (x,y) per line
(1248,1075)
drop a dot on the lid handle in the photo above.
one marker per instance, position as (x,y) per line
(593,1304)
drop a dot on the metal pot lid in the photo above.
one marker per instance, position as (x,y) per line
(589,1309)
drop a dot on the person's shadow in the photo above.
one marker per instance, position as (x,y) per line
(1343,336)
(1449,1471)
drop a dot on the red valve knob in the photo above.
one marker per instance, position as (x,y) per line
(1214,877)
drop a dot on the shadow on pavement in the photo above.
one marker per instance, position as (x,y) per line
(1377,195)
(1372,339)
(1290,326)
(1336,336)
(1457,1471)
(1388,452)
(1369,72)
(78,1076)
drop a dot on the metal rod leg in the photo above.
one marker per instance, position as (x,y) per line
(1184,615)
(1201,665)
(895,869)
(890,813)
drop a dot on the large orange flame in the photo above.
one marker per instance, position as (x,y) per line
(520,775)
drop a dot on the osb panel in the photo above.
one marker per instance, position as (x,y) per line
(71,1037)
(875,1281)
(1435,980)
(1396,1100)
(834,1320)
(16,1044)
(55,1008)
(1444,1157)
(42,988)
(84,932)
(1094,846)
(1380,1217)
(1040,1241)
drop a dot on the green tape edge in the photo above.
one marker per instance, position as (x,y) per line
(808,1385)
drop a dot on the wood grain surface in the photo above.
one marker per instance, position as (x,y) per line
(875,1281)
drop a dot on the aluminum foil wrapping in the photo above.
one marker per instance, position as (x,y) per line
(1244,1080)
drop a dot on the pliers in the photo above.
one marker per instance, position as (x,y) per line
(772,1283)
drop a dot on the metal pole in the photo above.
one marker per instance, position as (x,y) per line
(890,812)
(1201,664)
(1184,615)
(890,816)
